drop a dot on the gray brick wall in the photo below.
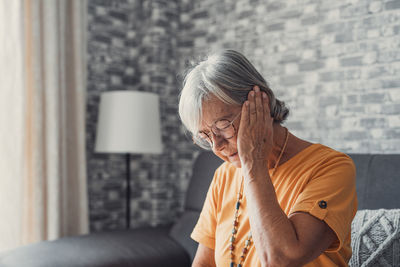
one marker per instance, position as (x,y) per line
(335,63)
(133,46)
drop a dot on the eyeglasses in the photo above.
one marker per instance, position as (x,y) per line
(224,128)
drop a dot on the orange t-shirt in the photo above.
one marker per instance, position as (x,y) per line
(318,173)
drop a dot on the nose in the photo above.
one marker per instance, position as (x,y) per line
(219,141)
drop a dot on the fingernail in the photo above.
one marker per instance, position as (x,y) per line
(256,89)
(252,93)
(247,103)
(264,95)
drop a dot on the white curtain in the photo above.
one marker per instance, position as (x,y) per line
(43,186)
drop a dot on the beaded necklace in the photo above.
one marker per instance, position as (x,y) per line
(236,217)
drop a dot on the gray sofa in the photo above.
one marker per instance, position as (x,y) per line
(375,229)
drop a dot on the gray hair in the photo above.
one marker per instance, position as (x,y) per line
(229,76)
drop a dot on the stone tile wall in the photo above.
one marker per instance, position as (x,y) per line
(133,46)
(335,63)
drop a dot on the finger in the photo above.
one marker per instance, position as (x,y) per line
(252,107)
(267,111)
(244,118)
(258,103)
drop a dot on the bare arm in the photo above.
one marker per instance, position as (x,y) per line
(204,257)
(279,240)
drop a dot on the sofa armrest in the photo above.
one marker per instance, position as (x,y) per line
(143,247)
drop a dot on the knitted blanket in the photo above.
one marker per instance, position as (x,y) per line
(376,238)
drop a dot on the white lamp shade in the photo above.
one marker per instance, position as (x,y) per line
(129,122)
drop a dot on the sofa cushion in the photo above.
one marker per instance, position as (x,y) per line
(182,229)
(203,172)
(362,162)
(382,189)
(145,247)
(376,238)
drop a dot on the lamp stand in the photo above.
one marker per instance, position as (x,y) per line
(128,190)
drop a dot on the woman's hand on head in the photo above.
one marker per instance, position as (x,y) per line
(255,134)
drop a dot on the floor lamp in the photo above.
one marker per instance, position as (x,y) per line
(128,122)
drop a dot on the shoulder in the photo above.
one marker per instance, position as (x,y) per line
(319,155)
(331,167)
(321,163)
(326,156)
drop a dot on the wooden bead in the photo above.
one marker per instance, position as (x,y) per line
(234,232)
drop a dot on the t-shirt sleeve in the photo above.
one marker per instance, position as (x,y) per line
(204,231)
(330,196)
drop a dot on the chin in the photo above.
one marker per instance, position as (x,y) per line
(235,161)
(237,164)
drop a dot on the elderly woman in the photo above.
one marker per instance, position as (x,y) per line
(277,200)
